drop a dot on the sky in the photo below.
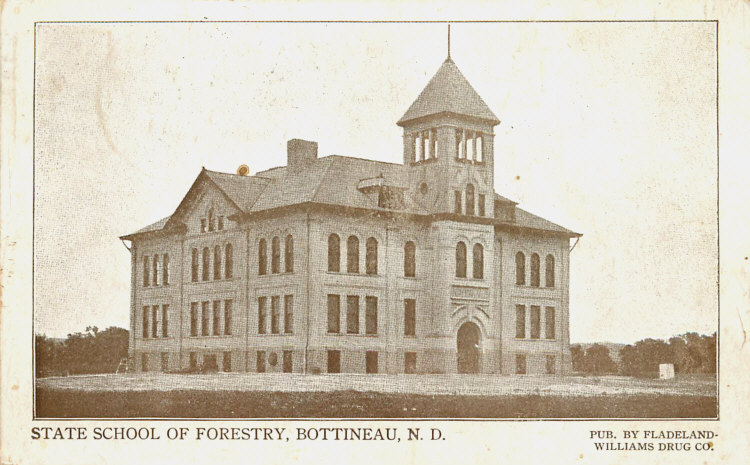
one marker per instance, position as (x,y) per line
(608,129)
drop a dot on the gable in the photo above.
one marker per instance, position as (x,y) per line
(204,204)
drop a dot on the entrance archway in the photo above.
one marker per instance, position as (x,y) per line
(467,342)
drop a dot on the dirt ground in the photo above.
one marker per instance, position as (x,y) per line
(463,385)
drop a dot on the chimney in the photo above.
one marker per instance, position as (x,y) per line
(300,153)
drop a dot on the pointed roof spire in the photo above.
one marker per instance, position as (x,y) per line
(449,43)
(449,92)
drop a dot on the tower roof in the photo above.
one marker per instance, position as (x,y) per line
(448,92)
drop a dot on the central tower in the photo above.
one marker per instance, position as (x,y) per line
(449,146)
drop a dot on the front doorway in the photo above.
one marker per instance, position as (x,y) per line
(467,343)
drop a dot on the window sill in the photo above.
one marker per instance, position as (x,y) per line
(219,336)
(275,334)
(527,286)
(352,334)
(268,275)
(346,273)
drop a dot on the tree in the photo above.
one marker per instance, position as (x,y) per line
(92,351)
(598,360)
(577,356)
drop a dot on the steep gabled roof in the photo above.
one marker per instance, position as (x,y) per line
(449,92)
(242,190)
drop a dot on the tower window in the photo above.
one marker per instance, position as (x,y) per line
(146,271)
(481,204)
(410,260)
(460,260)
(206,263)
(217,262)
(211,219)
(289,254)
(479,147)
(371,256)
(228,261)
(520,269)
(352,255)
(334,253)
(262,257)
(549,322)
(457,203)
(275,255)
(534,270)
(470,199)
(410,317)
(549,271)
(477,271)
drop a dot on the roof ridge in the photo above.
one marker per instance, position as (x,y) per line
(349,157)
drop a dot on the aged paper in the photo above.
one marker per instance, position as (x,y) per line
(421,234)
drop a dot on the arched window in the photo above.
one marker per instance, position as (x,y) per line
(146,272)
(477,270)
(228,261)
(194,265)
(352,255)
(371,256)
(334,253)
(460,260)
(211,219)
(262,257)
(289,254)
(206,263)
(549,271)
(520,269)
(155,270)
(410,260)
(535,270)
(275,254)
(165,266)
(470,199)
(217,262)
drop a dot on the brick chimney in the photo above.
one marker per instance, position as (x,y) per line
(300,153)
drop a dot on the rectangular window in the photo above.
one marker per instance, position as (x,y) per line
(165,320)
(193,360)
(164,361)
(520,364)
(288,314)
(535,321)
(352,314)
(226,359)
(550,365)
(205,318)
(410,363)
(146,268)
(334,313)
(457,203)
(480,205)
(221,223)
(371,361)
(275,314)
(262,315)
(217,318)
(410,317)
(286,362)
(260,361)
(154,320)
(203,225)
(549,322)
(334,361)
(520,322)
(371,315)
(145,321)
(144,362)
(166,270)
(227,317)
(193,318)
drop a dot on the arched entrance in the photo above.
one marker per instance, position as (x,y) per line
(467,342)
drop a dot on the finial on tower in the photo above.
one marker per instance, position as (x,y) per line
(449,43)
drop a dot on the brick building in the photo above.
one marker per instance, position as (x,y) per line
(339,264)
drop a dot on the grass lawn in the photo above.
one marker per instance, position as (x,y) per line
(363,396)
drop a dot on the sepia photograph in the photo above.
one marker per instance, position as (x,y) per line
(453,220)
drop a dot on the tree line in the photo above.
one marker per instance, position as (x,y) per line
(91,351)
(689,352)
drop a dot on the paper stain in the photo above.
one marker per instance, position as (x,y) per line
(14,387)
(100,115)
